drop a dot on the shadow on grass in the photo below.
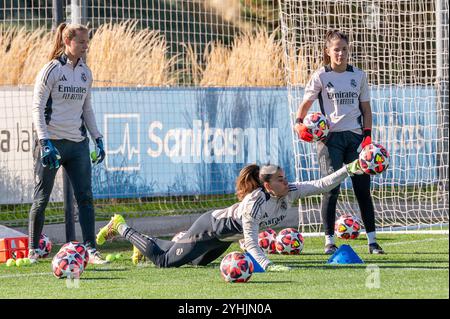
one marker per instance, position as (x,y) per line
(107,269)
(102,278)
(363,266)
(265,282)
(419,253)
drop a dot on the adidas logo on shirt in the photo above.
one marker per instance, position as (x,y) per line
(63,78)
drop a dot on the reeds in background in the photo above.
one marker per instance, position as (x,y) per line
(22,54)
(122,55)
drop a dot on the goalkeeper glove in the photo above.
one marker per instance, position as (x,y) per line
(303,132)
(99,155)
(278,268)
(49,154)
(367,132)
(354,168)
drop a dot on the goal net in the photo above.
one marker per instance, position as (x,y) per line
(179,95)
(402,45)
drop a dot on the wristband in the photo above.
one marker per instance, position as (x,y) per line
(298,120)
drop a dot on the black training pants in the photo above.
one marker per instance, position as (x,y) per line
(341,148)
(76,161)
(199,246)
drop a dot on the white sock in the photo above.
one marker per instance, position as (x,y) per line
(329,240)
(371,237)
(122,228)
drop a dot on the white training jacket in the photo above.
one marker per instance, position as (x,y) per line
(260,210)
(62,101)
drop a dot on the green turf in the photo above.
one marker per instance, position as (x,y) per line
(415,266)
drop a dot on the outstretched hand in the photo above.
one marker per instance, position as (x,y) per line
(354,168)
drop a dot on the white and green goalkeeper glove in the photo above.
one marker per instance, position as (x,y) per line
(354,168)
(278,268)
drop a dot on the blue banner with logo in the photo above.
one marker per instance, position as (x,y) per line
(188,141)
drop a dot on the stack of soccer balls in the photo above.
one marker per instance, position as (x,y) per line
(70,261)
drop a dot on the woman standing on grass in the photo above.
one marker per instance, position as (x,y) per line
(344,99)
(61,113)
(265,197)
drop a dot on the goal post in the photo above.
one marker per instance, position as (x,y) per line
(402,45)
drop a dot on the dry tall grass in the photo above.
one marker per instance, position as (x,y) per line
(22,54)
(255,59)
(121,55)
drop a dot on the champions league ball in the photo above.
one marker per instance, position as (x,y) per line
(73,247)
(67,264)
(267,241)
(236,267)
(289,242)
(347,227)
(374,159)
(45,246)
(318,124)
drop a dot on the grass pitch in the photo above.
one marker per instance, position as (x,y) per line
(415,266)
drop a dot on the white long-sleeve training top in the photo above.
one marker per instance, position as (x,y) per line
(62,101)
(260,210)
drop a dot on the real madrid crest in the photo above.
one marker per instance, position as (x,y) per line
(353,83)
(283,205)
(83,77)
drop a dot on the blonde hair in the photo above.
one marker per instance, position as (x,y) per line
(330,36)
(64,31)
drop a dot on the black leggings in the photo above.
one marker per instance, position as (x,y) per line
(340,148)
(76,161)
(199,246)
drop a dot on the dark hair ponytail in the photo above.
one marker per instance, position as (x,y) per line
(330,36)
(247,181)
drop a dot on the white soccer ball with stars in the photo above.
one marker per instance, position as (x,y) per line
(236,267)
(318,125)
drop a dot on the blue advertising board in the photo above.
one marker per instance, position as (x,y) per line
(188,141)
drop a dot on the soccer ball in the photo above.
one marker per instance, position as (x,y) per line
(318,124)
(289,242)
(76,247)
(267,241)
(374,159)
(347,227)
(67,264)
(45,246)
(178,236)
(236,267)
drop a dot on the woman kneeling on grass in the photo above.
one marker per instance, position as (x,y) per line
(265,197)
